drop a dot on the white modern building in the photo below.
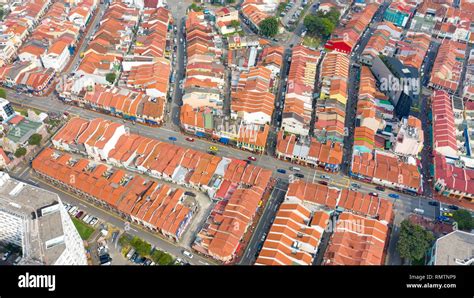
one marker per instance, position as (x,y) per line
(35,220)
(6,110)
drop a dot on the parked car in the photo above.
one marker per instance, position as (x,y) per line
(85,218)
(323,182)
(324,177)
(442,218)
(114,236)
(394,195)
(444,209)
(281,171)
(381,188)
(71,211)
(94,221)
(187,254)
(134,257)
(296,169)
(448,214)
(453,207)
(299,175)
(190,139)
(213,148)
(433,203)
(252,158)
(130,253)
(6,255)
(17,260)
(75,212)
(374,194)
(79,214)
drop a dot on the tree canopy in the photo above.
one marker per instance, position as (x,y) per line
(414,241)
(269,27)
(20,152)
(322,24)
(464,219)
(3,93)
(142,247)
(110,77)
(35,139)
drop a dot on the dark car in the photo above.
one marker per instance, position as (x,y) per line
(191,194)
(355,185)
(381,188)
(282,171)
(299,175)
(147,262)
(323,182)
(433,203)
(453,207)
(79,214)
(134,257)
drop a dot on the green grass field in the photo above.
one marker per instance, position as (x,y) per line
(84,230)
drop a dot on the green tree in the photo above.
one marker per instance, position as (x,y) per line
(464,219)
(142,247)
(110,77)
(156,256)
(3,93)
(165,259)
(20,152)
(125,240)
(235,24)
(195,7)
(269,27)
(35,139)
(414,241)
(281,7)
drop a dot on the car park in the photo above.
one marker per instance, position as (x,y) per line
(187,254)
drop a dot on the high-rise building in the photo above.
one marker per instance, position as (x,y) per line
(35,220)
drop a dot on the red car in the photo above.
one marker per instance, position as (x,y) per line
(323,182)
(252,158)
(190,139)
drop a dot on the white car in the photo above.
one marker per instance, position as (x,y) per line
(75,212)
(188,254)
(94,221)
(86,218)
(72,210)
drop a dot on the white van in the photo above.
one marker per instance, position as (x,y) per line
(296,169)
(188,254)
(419,211)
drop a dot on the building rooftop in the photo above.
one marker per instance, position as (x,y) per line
(456,248)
